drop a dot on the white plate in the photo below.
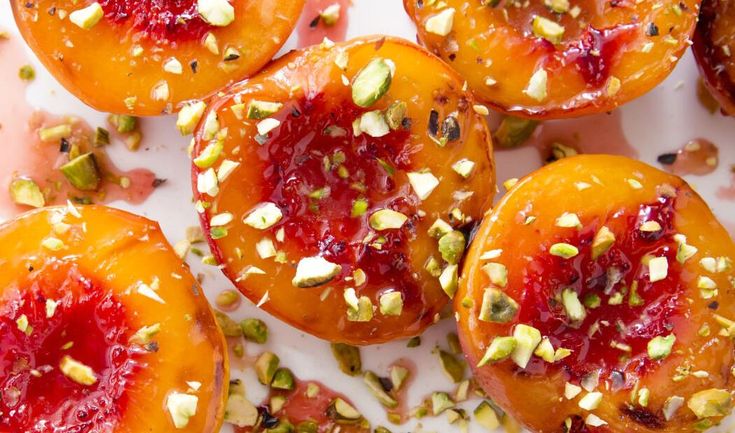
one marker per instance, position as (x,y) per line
(661,121)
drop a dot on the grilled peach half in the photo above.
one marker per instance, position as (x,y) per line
(555,59)
(98,323)
(334,187)
(145,58)
(714,43)
(598,297)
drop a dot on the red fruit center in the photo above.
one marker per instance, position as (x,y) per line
(88,325)
(319,174)
(168,21)
(613,337)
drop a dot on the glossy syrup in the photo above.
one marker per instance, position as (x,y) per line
(698,157)
(160,20)
(88,325)
(26,156)
(311,30)
(661,309)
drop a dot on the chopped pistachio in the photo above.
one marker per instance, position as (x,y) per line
(514,131)
(87,17)
(82,172)
(451,246)
(387,219)
(574,309)
(591,401)
(123,123)
(172,65)
(593,420)
(568,220)
(644,395)
(660,347)
(453,367)
(448,280)
(558,6)
(395,114)
(330,14)
(209,155)
(545,350)
(414,342)
(537,85)
(433,267)
(391,304)
(254,330)
(283,379)
(423,183)
(266,366)
(218,13)
(486,416)
(339,409)
(439,228)
(658,268)
(500,348)
(376,388)
(260,110)
(263,216)
(441,23)
(315,271)
(145,334)
(26,192)
(181,407)
(671,406)
(359,207)
(189,116)
(497,306)
(54,133)
(710,403)
(27,73)
(372,123)
(267,125)
(464,167)
(52,244)
(101,137)
(527,339)
(229,327)
(571,391)
(23,325)
(440,401)
(707,287)
(50,308)
(398,376)
(77,372)
(371,83)
(359,309)
(240,412)
(547,29)
(497,273)
(650,227)
(348,358)
(563,250)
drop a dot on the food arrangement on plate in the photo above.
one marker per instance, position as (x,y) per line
(347,189)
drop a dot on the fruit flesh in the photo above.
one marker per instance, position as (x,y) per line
(289,169)
(714,42)
(118,64)
(611,342)
(601,61)
(93,280)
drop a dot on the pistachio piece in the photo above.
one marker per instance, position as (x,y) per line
(574,309)
(77,372)
(359,309)
(259,110)
(123,123)
(453,367)
(563,250)
(82,172)
(464,167)
(330,14)
(591,401)
(340,410)
(568,220)
(348,358)
(229,327)
(371,83)
(240,412)
(387,219)
(189,116)
(395,114)
(527,339)
(441,23)
(263,216)
(514,131)
(26,192)
(423,183)
(497,306)
(497,273)
(254,330)
(54,133)
(181,407)
(448,280)
(87,17)
(391,304)
(500,348)
(372,123)
(266,366)
(145,334)
(486,416)
(451,246)
(571,391)
(209,155)
(545,350)
(218,13)
(660,347)
(537,85)
(710,403)
(398,376)
(658,269)
(439,228)
(315,271)
(671,406)
(307,426)
(440,401)
(283,379)
(547,29)
(376,388)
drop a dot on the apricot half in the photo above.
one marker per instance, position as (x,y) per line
(145,58)
(329,183)
(99,320)
(598,296)
(714,43)
(553,58)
